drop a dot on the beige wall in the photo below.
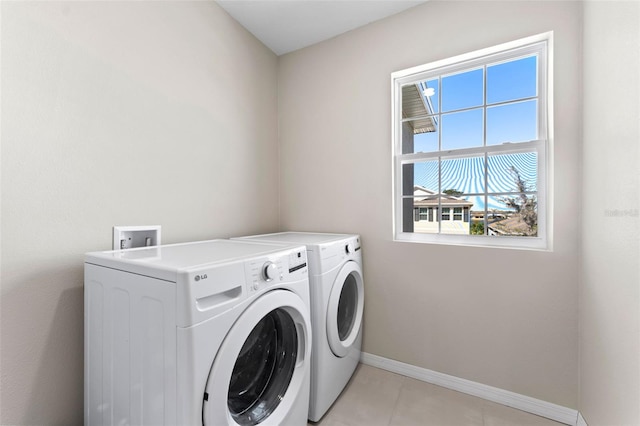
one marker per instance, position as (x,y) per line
(165,113)
(610,291)
(506,318)
(117,113)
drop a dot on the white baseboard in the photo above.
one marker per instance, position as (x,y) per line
(581,421)
(511,399)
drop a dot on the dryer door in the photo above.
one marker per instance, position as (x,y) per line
(261,366)
(345,307)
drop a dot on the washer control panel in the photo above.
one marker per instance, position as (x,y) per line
(297,260)
(269,271)
(264,272)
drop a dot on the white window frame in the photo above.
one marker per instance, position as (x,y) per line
(542,45)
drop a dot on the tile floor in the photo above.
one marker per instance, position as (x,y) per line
(376,397)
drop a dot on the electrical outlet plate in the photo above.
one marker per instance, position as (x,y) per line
(125,237)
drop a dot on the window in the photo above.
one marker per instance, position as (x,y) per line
(471,138)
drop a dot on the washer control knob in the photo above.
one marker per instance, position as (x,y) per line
(349,248)
(269,271)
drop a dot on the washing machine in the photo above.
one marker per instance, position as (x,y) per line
(337,303)
(204,333)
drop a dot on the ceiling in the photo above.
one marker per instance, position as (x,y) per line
(288,25)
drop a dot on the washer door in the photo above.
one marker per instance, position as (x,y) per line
(260,366)
(344,312)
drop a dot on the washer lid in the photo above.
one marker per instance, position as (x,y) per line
(164,262)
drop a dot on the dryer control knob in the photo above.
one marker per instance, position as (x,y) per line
(269,271)
(349,248)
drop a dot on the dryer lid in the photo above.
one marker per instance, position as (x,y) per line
(308,238)
(164,262)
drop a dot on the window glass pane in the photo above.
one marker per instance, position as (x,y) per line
(477,225)
(456,215)
(506,220)
(462,129)
(425,223)
(407,179)
(425,142)
(512,172)
(420,135)
(463,175)
(516,122)
(496,207)
(420,189)
(463,90)
(512,80)
(430,92)
(419,126)
(420,99)
(425,179)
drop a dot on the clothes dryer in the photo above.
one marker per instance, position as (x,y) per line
(213,332)
(337,304)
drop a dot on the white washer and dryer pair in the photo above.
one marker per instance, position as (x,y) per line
(213,332)
(337,303)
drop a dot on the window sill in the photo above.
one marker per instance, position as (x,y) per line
(511,243)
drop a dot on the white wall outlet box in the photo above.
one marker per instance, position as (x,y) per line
(125,237)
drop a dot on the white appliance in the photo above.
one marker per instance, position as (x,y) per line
(213,332)
(337,303)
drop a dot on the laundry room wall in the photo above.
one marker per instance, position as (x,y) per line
(117,113)
(610,290)
(505,318)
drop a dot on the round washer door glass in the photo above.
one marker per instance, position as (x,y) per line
(263,370)
(344,313)
(261,366)
(347,307)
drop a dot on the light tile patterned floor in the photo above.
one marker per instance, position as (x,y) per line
(375,397)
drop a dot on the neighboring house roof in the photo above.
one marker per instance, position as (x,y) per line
(421,190)
(415,105)
(431,199)
(513,225)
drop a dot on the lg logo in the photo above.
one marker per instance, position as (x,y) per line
(200,277)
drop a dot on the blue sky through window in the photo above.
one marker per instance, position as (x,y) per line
(511,109)
(510,81)
(515,122)
(464,90)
